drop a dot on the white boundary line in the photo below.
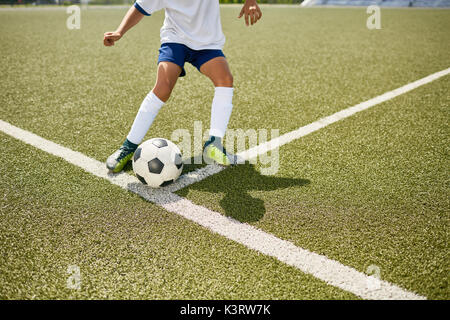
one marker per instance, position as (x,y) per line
(330,271)
(321,267)
(202,173)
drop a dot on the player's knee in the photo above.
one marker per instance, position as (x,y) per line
(163,91)
(225,81)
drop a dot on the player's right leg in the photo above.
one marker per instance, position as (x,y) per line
(167,76)
(218,71)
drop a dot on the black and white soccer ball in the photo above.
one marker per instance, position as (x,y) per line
(157,162)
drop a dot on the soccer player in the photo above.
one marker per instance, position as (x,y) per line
(192,32)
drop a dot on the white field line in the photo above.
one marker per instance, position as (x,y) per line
(330,271)
(321,267)
(202,173)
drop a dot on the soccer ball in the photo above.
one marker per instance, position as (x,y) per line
(157,162)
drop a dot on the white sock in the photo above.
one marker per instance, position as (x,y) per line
(221,111)
(144,118)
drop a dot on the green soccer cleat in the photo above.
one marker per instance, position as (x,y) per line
(117,161)
(213,150)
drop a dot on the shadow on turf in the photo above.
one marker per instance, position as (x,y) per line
(235,183)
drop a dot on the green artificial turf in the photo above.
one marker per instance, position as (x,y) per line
(53,215)
(369,190)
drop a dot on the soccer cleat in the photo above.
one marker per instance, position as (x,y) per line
(213,150)
(117,161)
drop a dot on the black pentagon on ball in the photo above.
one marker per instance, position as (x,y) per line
(155,166)
(166,183)
(160,143)
(137,154)
(141,179)
(178,160)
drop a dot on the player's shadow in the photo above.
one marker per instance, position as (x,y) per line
(236,183)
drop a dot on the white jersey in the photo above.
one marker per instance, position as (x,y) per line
(194,23)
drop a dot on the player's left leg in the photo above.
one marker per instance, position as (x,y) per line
(166,79)
(218,71)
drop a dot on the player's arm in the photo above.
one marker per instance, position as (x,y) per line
(251,11)
(132,18)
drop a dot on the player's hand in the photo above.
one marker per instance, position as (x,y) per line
(110,37)
(251,11)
